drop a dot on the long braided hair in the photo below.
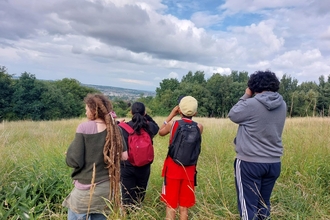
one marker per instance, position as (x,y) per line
(113,146)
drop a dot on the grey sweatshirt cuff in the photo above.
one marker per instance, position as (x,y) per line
(245,96)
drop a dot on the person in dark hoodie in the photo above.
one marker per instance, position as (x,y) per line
(260,114)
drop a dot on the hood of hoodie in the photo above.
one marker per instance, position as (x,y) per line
(271,100)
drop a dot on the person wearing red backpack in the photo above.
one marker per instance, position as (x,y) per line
(135,176)
(179,179)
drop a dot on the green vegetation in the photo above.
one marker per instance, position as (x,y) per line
(27,98)
(219,93)
(35,179)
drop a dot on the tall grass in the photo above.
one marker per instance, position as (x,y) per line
(34,178)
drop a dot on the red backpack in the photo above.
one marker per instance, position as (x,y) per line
(140,149)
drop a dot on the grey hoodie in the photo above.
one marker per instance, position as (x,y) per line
(261,121)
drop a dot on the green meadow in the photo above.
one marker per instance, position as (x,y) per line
(34,178)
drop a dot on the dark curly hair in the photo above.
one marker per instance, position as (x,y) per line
(263,81)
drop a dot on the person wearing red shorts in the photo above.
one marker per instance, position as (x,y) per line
(179,181)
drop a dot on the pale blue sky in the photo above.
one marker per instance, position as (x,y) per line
(136,44)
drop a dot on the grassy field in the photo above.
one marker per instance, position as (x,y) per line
(34,178)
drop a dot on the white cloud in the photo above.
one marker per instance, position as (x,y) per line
(204,19)
(254,5)
(297,58)
(258,40)
(326,34)
(173,75)
(134,81)
(137,44)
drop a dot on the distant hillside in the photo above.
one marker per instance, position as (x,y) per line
(122,93)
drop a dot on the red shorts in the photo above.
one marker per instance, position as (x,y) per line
(178,192)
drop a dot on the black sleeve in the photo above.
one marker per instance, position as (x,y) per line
(149,118)
(153,126)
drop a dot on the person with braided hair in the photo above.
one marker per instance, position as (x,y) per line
(135,179)
(95,155)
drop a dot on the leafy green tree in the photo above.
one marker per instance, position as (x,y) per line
(166,96)
(311,98)
(149,103)
(307,100)
(121,107)
(241,77)
(214,85)
(197,77)
(53,100)
(195,85)
(74,94)
(323,102)
(167,84)
(26,98)
(225,91)
(6,93)
(288,89)
(305,103)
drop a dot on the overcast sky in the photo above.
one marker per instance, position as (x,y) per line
(138,43)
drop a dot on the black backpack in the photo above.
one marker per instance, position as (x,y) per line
(186,144)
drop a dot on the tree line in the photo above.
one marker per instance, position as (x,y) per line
(27,98)
(219,93)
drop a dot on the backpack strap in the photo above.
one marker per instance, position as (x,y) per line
(127,128)
(174,136)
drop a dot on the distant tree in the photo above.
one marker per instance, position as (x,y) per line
(32,99)
(6,93)
(53,100)
(241,77)
(311,101)
(214,85)
(197,77)
(225,90)
(288,89)
(121,107)
(74,94)
(166,96)
(26,98)
(167,84)
(195,85)
(307,94)
(323,102)
(149,103)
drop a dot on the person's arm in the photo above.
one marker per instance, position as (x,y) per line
(166,126)
(239,112)
(200,128)
(75,153)
(153,126)
(124,154)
